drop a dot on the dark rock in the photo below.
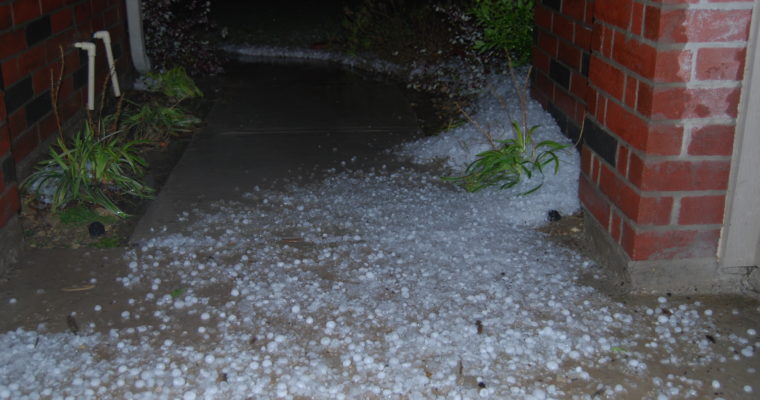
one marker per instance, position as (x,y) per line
(97,229)
(554,216)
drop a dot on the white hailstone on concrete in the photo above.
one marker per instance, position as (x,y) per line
(751,332)
(715,384)
(125,314)
(97,307)
(747,389)
(12,300)
(205,316)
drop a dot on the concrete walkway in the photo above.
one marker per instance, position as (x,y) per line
(275,121)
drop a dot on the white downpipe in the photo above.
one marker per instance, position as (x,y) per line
(136,43)
(90,48)
(106,38)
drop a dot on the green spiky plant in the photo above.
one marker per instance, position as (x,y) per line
(92,169)
(175,84)
(509,161)
(155,122)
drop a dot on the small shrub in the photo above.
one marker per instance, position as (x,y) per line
(510,160)
(174,84)
(507,26)
(155,122)
(94,168)
(505,166)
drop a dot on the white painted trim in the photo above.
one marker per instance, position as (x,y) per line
(136,43)
(740,238)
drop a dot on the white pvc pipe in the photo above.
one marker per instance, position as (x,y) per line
(90,48)
(106,38)
(136,43)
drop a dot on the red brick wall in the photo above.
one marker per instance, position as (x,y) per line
(561,60)
(658,108)
(31,32)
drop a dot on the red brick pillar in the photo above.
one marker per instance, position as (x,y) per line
(664,85)
(655,86)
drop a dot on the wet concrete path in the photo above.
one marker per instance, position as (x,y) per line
(275,121)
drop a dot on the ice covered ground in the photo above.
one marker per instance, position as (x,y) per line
(381,283)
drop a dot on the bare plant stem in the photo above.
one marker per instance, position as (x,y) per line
(487,133)
(55,89)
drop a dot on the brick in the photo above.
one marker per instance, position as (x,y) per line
(669,245)
(10,204)
(641,209)
(18,94)
(41,80)
(574,9)
(712,140)
(562,27)
(601,142)
(38,108)
(13,43)
(579,87)
(38,30)
(586,156)
(548,43)
(62,20)
(82,13)
(597,170)
(5,140)
(559,73)
(652,16)
(602,40)
(25,10)
(597,206)
(627,125)
(8,168)
(583,37)
(700,25)
(701,210)
(553,4)
(622,160)
(52,5)
(637,56)
(111,18)
(631,91)
(5,17)
(637,19)
(679,103)
(569,54)
(615,12)
(11,72)
(565,102)
(721,63)
(540,60)
(16,123)
(673,66)
(32,59)
(606,77)
(543,17)
(678,175)
(24,145)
